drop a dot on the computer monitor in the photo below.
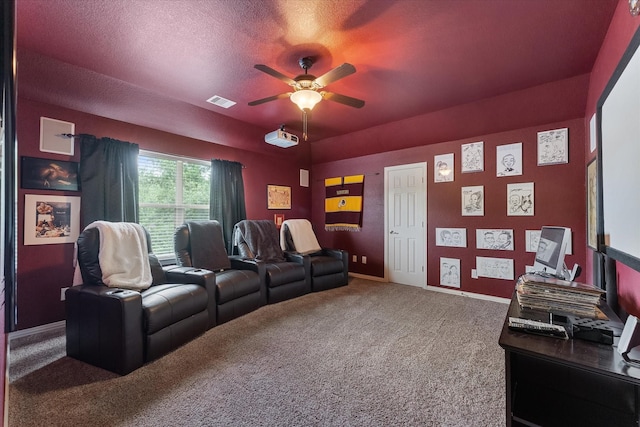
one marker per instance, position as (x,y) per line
(552,247)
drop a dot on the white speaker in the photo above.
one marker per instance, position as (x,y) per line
(630,337)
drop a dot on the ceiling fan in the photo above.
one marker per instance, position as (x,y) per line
(307,89)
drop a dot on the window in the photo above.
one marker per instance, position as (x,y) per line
(172,191)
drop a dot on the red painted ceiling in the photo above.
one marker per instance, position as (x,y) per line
(147,62)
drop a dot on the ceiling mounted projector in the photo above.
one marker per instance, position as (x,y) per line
(281,138)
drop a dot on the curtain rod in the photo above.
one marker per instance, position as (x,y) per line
(234,161)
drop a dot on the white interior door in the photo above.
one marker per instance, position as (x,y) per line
(405,225)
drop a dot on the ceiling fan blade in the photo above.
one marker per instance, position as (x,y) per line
(337,73)
(270,98)
(343,99)
(274,73)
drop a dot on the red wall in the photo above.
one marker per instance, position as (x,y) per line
(623,27)
(44,269)
(548,103)
(559,200)
(559,190)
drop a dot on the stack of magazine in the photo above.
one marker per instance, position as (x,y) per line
(546,293)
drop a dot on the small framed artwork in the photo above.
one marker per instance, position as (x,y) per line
(496,239)
(473,200)
(304,177)
(56,136)
(453,237)
(553,147)
(531,239)
(520,199)
(278,197)
(473,157)
(51,219)
(450,272)
(509,159)
(443,169)
(495,268)
(46,174)
(278,219)
(593,135)
(592,200)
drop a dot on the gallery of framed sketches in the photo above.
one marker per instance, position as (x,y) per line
(552,149)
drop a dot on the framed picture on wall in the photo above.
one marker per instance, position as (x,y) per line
(51,219)
(520,199)
(450,272)
(496,239)
(56,136)
(443,170)
(47,174)
(473,201)
(453,237)
(278,197)
(473,157)
(509,159)
(592,200)
(553,147)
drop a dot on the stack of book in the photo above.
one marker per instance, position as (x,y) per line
(550,294)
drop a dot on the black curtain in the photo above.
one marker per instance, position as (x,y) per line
(108,179)
(227,197)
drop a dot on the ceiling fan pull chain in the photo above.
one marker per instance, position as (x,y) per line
(304,125)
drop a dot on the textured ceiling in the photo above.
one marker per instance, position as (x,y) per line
(147,62)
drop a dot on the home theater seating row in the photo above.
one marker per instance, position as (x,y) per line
(122,329)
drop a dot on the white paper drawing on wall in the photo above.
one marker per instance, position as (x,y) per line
(473,157)
(593,136)
(509,159)
(51,219)
(553,147)
(495,268)
(520,199)
(473,200)
(450,272)
(532,238)
(54,136)
(454,237)
(443,170)
(497,239)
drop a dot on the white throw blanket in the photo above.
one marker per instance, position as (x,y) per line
(123,256)
(302,234)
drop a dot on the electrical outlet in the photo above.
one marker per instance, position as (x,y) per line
(364,259)
(355,258)
(62,294)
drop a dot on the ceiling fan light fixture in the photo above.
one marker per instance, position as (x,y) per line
(305,99)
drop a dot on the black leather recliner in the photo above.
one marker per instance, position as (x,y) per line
(287,275)
(329,267)
(240,284)
(119,329)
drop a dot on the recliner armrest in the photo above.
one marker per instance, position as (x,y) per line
(305,260)
(104,327)
(198,276)
(336,253)
(240,263)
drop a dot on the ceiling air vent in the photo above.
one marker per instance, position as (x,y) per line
(221,102)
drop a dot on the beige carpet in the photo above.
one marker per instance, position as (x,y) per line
(369,354)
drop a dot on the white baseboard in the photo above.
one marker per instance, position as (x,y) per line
(439,289)
(367,277)
(37,330)
(469,294)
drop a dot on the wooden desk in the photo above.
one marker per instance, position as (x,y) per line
(554,382)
